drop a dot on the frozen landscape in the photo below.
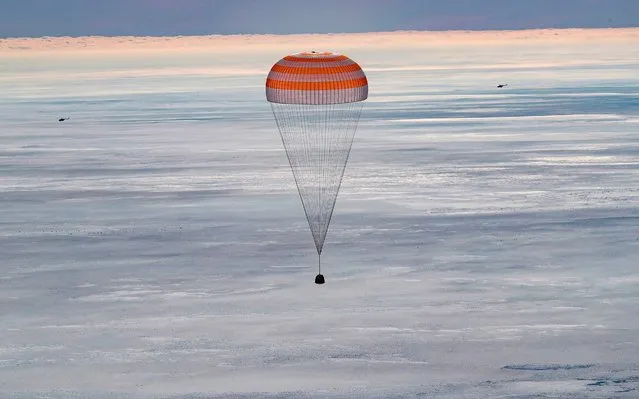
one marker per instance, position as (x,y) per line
(484,243)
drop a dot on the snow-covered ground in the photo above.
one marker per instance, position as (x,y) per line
(484,244)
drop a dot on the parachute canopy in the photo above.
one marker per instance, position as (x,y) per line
(316,100)
(316,78)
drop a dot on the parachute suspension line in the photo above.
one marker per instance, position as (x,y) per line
(339,148)
(292,123)
(283,122)
(317,140)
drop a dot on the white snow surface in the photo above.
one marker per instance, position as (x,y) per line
(485,241)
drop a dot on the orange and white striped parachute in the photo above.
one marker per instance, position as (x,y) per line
(316,100)
(316,78)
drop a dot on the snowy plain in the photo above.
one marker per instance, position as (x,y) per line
(484,243)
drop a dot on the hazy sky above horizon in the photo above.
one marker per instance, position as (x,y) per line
(201,17)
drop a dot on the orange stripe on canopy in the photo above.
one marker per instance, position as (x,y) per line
(314,86)
(315,71)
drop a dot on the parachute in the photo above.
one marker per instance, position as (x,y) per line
(317,100)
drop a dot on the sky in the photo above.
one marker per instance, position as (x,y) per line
(35,18)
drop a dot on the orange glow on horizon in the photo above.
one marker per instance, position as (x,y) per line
(232,43)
